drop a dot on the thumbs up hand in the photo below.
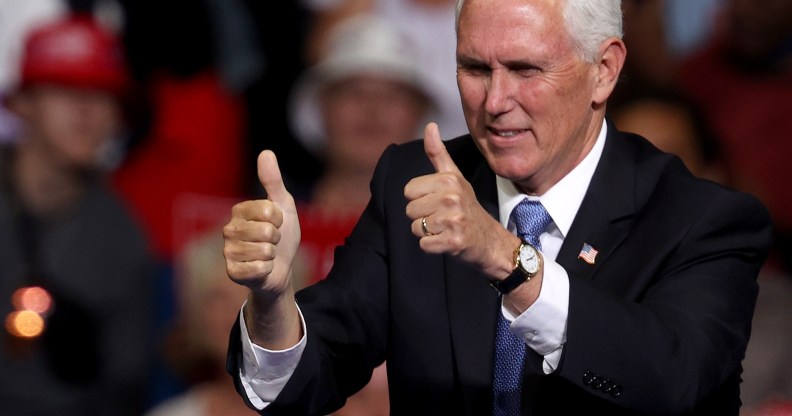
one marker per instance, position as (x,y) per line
(448,218)
(262,237)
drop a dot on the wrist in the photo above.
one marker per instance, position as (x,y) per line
(526,264)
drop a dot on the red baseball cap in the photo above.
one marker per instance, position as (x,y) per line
(74,51)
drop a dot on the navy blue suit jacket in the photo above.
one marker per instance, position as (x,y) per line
(658,325)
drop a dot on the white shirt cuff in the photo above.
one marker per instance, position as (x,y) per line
(265,372)
(543,325)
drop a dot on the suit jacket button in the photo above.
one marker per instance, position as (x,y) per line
(588,377)
(607,385)
(599,383)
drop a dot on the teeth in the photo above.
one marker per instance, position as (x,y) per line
(511,133)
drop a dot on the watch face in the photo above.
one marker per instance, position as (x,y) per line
(529,259)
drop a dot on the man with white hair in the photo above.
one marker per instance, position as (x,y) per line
(623,284)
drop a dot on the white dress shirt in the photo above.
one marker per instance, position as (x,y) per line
(543,325)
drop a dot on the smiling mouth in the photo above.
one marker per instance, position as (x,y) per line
(506,133)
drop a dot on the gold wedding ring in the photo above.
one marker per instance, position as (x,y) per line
(423,226)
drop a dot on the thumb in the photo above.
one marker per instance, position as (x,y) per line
(436,150)
(271,179)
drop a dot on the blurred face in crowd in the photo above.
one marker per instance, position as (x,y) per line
(673,129)
(528,97)
(70,124)
(365,113)
(209,301)
(667,126)
(220,304)
(757,30)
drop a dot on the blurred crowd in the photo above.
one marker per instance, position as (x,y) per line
(129,128)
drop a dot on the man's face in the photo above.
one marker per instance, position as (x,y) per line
(526,94)
(363,114)
(72,123)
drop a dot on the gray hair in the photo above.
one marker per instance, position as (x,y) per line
(589,22)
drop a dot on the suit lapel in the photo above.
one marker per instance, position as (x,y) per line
(604,217)
(602,221)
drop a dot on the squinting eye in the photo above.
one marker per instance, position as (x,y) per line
(474,70)
(477,72)
(527,72)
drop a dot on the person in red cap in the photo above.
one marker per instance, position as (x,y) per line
(75,52)
(75,268)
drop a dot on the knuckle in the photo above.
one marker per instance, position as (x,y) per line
(272,213)
(249,273)
(233,270)
(410,210)
(408,190)
(451,199)
(237,209)
(455,243)
(456,218)
(267,251)
(228,253)
(230,230)
(270,233)
(234,252)
(427,245)
(449,179)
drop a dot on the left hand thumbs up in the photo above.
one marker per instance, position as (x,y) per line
(436,151)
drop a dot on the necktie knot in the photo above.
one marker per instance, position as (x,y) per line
(531,219)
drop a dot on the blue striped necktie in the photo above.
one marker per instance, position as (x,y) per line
(531,220)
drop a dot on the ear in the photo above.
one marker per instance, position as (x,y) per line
(612,55)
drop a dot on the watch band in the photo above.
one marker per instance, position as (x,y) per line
(515,279)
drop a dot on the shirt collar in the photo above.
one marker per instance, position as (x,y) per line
(563,199)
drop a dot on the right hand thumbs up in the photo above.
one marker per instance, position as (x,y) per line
(262,237)
(271,179)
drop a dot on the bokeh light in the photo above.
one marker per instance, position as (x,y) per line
(32,298)
(25,324)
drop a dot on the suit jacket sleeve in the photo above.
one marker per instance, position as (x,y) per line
(347,321)
(658,325)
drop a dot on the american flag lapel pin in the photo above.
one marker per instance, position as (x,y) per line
(588,253)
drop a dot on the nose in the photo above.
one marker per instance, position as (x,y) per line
(500,92)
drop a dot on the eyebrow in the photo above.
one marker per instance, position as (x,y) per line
(516,64)
(467,61)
